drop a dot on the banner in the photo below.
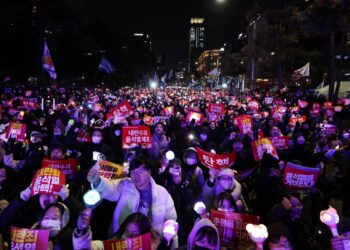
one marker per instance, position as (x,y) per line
(29,103)
(29,239)
(302,104)
(268,100)
(216,108)
(18,129)
(329,129)
(280,142)
(327,105)
(47,181)
(142,242)
(232,226)
(315,112)
(122,109)
(132,136)
(300,119)
(211,160)
(198,117)
(245,123)
(47,62)
(110,170)
(299,177)
(67,166)
(260,146)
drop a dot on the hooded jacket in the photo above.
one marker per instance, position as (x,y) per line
(200,224)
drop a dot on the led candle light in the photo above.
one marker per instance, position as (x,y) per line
(258,234)
(91,198)
(330,217)
(200,208)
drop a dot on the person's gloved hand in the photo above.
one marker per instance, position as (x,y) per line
(330,153)
(63,193)
(26,194)
(93,175)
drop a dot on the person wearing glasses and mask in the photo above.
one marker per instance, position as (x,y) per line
(139,193)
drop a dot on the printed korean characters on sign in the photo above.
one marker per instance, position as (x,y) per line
(329,129)
(217,161)
(142,242)
(253,105)
(263,145)
(302,104)
(133,136)
(110,170)
(47,181)
(29,103)
(280,142)
(68,166)
(16,129)
(198,117)
(216,108)
(300,119)
(327,105)
(245,123)
(315,112)
(29,239)
(299,177)
(122,109)
(232,226)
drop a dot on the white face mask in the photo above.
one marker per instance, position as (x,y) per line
(96,139)
(117,133)
(54,226)
(203,137)
(225,184)
(346,135)
(191,161)
(301,140)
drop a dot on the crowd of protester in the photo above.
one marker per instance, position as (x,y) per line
(71,122)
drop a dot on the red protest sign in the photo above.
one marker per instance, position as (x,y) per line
(315,112)
(231,225)
(280,142)
(299,177)
(122,109)
(302,104)
(132,136)
(216,108)
(67,166)
(22,238)
(47,181)
(211,160)
(260,146)
(168,111)
(16,129)
(198,117)
(110,170)
(245,123)
(142,242)
(329,129)
(300,119)
(29,103)
(327,105)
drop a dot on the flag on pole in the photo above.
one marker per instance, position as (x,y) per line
(164,77)
(303,71)
(105,66)
(170,74)
(47,62)
(214,72)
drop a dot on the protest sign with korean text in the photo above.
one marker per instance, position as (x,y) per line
(168,111)
(122,109)
(29,239)
(245,123)
(216,108)
(67,166)
(253,105)
(212,160)
(142,242)
(300,119)
(29,103)
(110,170)
(327,105)
(263,145)
(133,136)
(232,226)
(302,104)
(18,130)
(198,117)
(47,181)
(329,129)
(268,100)
(280,142)
(299,177)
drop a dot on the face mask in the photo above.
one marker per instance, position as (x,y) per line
(346,135)
(225,184)
(203,137)
(96,139)
(54,226)
(191,161)
(301,141)
(117,133)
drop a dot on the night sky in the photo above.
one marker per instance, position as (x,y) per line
(167,22)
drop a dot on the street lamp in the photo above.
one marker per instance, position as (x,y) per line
(220,1)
